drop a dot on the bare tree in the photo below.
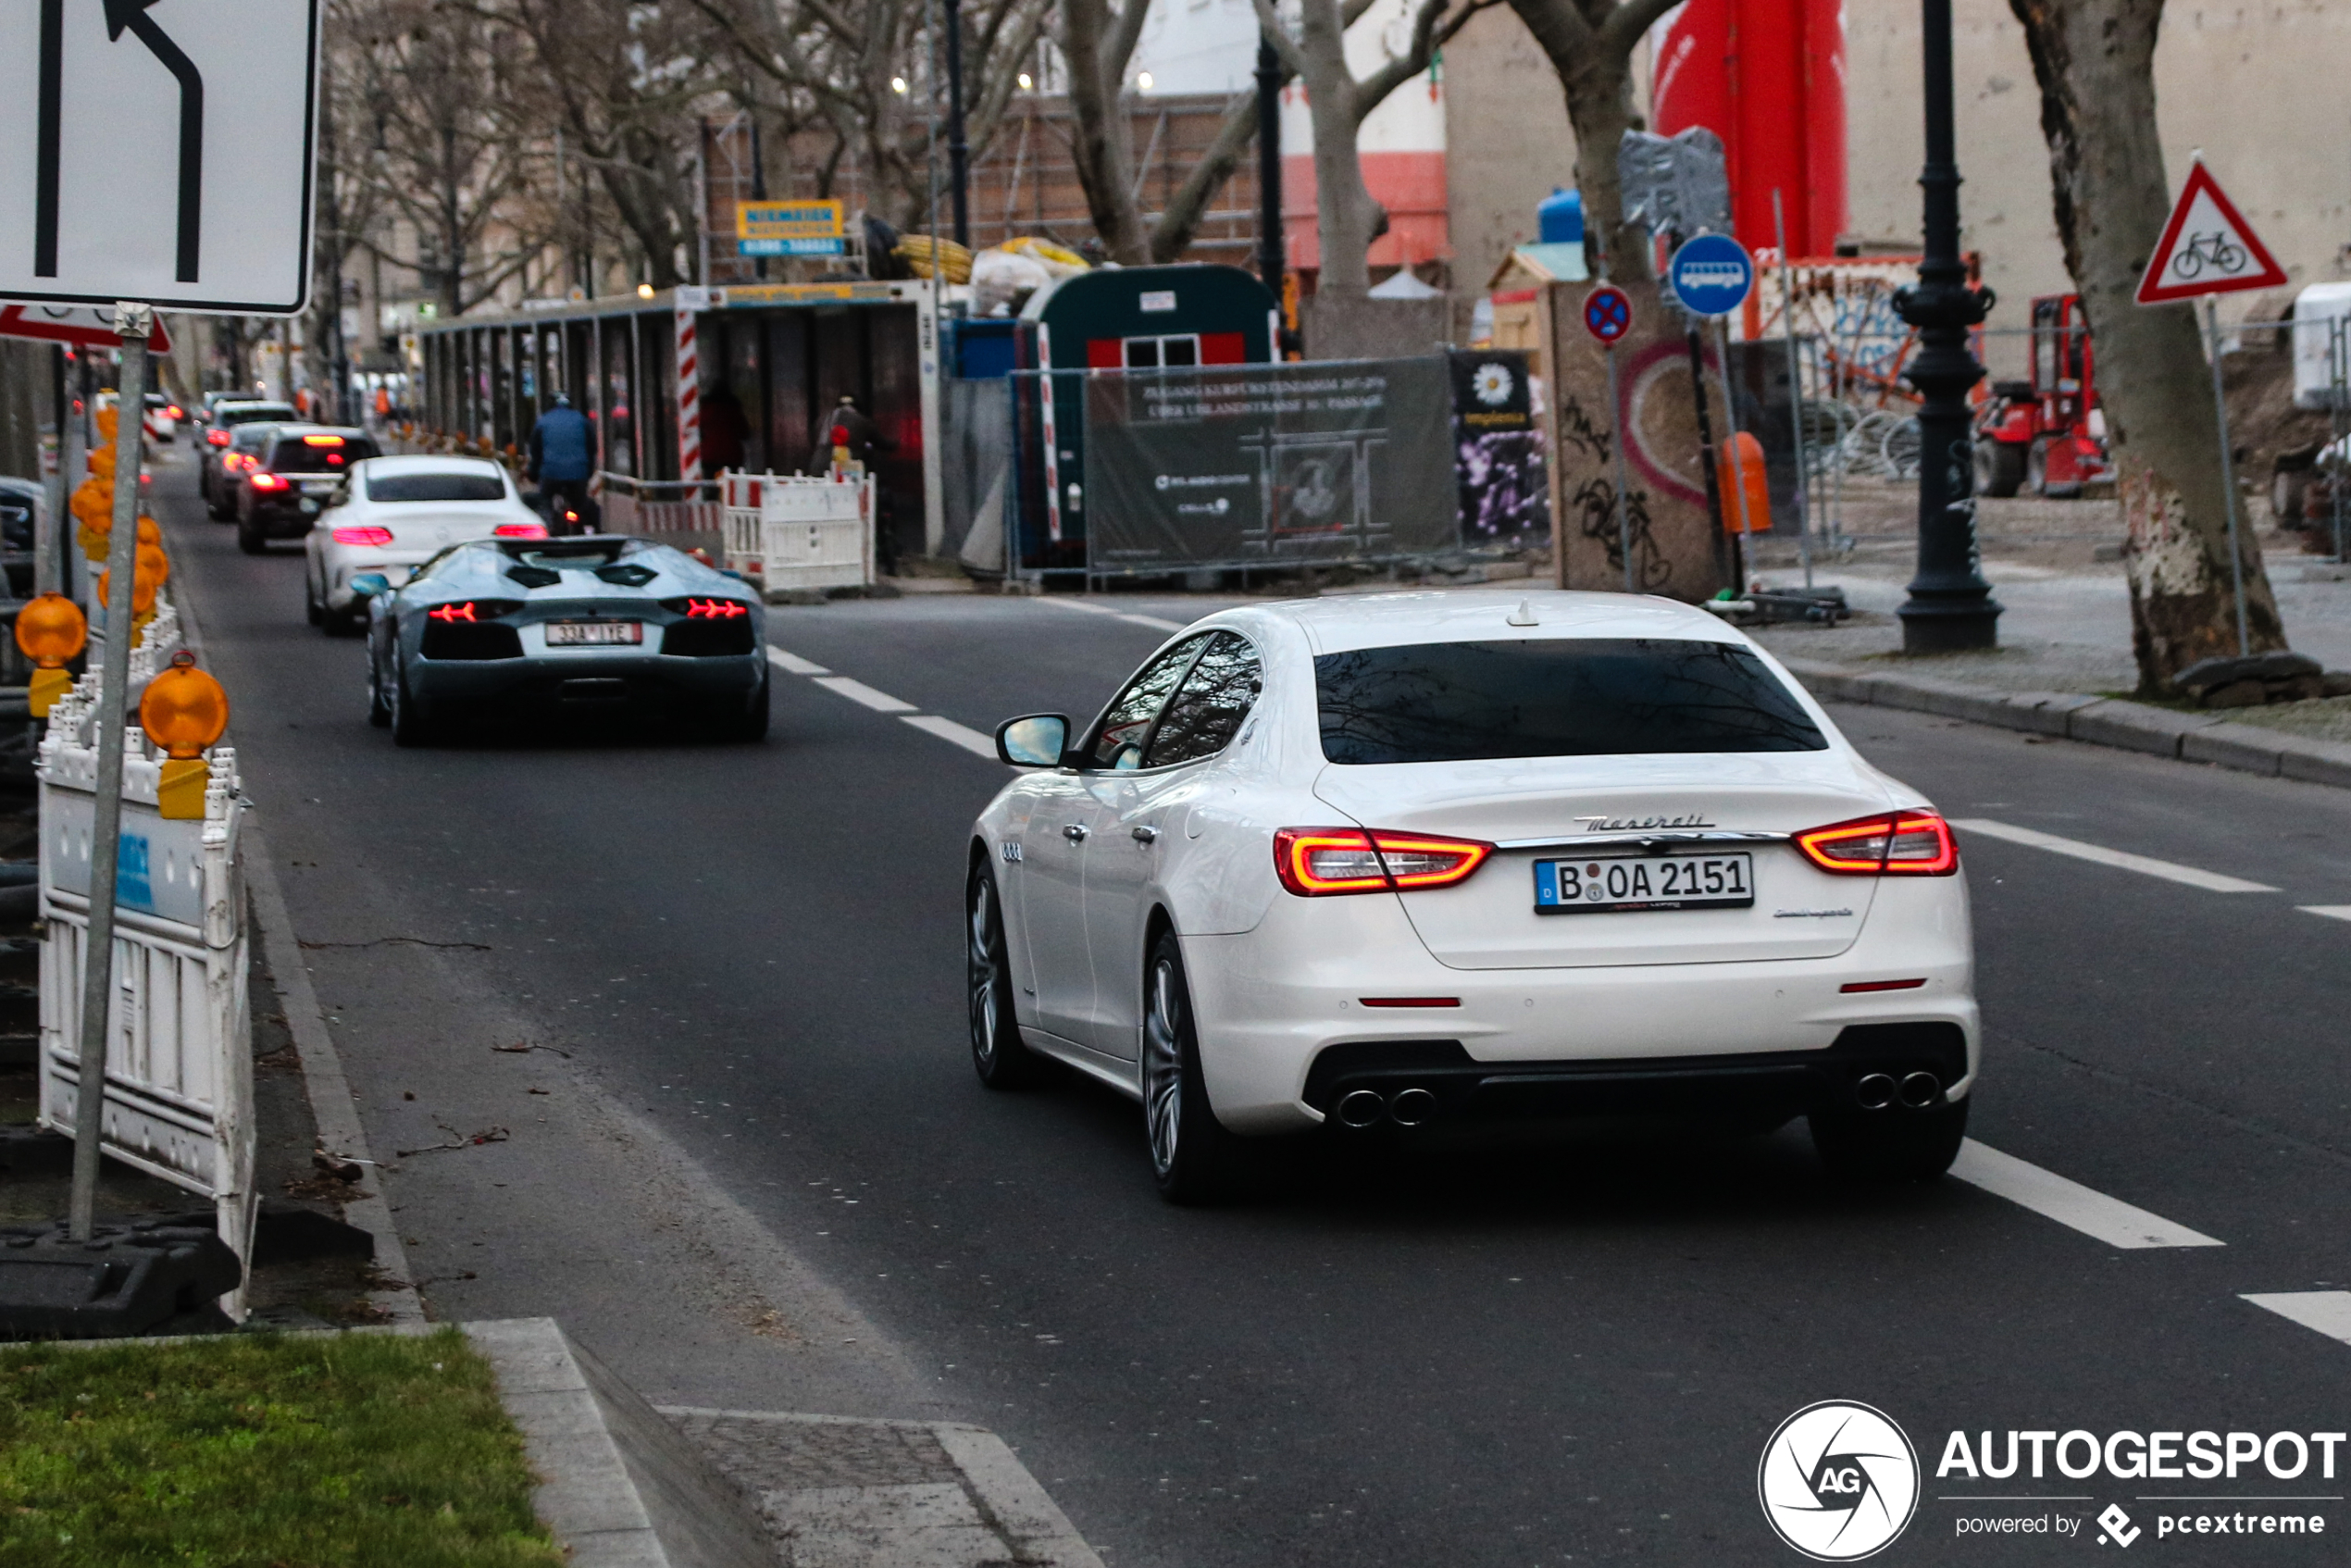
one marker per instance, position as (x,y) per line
(430,78)
(2095,61)
(1346,220)
(627,82)
(1590,45)
(864,69)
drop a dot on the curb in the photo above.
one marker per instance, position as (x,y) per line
(619,1487)
(2099,721)
(323,1081)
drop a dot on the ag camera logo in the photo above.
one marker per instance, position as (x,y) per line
(1839,1481)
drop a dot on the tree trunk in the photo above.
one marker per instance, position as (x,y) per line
(1105,163)
(2094,60)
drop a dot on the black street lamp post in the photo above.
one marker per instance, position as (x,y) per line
(1950,605)
(1272,260)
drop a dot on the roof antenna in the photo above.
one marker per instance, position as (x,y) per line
(1525,615)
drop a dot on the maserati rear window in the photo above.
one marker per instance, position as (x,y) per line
(443,486)
(1556,697)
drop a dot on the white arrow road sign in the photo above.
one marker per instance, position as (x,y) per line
(157,150)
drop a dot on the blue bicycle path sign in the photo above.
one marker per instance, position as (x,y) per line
(1710,275)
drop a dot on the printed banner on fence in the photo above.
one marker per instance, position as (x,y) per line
(1246,462)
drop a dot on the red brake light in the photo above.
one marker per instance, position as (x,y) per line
(363,536)
(840,435)
(217,438)
(519,530)
(264,480)
(175,412)
(322,440)
(1911,843)
(714,609)
(1315,862)
(459,612)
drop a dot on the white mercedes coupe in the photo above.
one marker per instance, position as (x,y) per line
(1417,860)
(394,514)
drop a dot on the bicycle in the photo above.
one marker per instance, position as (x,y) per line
(2226,258)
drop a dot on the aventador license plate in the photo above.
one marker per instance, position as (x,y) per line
(593,634)
(1680,881)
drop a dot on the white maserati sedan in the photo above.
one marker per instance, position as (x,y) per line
(1424,860)
(392,515)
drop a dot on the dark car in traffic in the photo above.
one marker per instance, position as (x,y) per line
(219,432)
(297,471)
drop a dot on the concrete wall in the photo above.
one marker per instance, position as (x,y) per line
(2257,87)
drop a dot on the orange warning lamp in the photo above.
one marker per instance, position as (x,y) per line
(149,532)
(184,710)
(50,629)
(151,562)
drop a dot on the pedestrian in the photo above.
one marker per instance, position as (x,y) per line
(562,456)
(846,435)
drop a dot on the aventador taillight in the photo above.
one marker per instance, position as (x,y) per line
(463,611)
(1317,862)
(714,609)
(1911,843)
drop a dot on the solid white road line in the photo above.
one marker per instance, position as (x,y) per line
(962,735)
(2069,1202)
(2329,1312)
(2210,881)
(858,691)
(795,664)
(2332,911)
(1152,621)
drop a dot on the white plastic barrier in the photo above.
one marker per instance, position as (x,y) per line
(800,531)
(178,1099)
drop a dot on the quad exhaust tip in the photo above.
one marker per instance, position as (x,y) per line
(1411,1107)
(1921,1091)
(1361,1108)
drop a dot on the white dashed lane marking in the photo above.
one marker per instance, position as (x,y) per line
(2211,881)
(1152,621)
(2332,911)
(2327,1311)
(794,663)
(2091,1212)
(962,735)
(858,691)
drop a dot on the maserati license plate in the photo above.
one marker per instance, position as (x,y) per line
(1680,881)
(593,634)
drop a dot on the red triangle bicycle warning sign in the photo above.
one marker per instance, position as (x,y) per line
(2207,248)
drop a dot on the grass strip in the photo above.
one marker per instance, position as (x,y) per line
(360,1451)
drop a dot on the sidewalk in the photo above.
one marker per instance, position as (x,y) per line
(2065,626)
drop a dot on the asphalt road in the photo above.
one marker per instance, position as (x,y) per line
(1541,1356)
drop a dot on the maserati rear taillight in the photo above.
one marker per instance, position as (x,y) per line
(519,530)
(1317,862)
(363,536)
(1911,843)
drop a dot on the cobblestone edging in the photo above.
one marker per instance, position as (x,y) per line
(2100,721)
